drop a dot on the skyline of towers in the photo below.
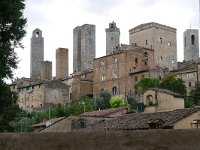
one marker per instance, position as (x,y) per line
(46,70)
(191,44)
(84,47)
(37,53)
(62,63)
(112,38)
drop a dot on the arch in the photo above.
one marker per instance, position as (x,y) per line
(114,90)
(149,100)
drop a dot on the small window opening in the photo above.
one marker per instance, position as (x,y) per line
(160,40)
(192,39)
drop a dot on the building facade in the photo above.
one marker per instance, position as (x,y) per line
(37,53)
(112,38)
(119,72)
(84,47)
(46,70)
(191,44)
(159,37)
(62,63)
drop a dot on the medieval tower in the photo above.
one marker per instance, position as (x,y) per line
(191,44)
(37,53)
(46,70)
(61,63)
(112,38)
(84,47)
(160,38)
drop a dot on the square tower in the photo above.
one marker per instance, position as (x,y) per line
(46,70)
(112,38)
(160,38)
(191,44)
(37,53)
(84,47)
(61,63)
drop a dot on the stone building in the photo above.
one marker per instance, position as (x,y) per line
(119,72)
(159,37)
(46,70)
(37,53)
(191,44)
(157,100)
(112,38)
(40,95)
(84,45)
(62,63)
(189,72)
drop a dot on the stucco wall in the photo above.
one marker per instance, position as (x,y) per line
(121,140)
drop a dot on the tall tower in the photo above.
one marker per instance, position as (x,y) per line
(61,63)
(84,47)
(37,53)
(191,44)
(46,70)
(112,38)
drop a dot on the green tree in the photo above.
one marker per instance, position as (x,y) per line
(102,102)
(195,94)
(174,84)
(118,102)
(132,103)
(12,31)
(146,83)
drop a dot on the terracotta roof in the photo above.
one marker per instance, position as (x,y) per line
(137,121)
(43,124)
(167,91)
(103,112)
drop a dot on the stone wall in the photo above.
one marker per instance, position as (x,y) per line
(127,140)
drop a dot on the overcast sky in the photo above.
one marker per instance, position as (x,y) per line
(58,18)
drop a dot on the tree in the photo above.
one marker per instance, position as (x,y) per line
(146,83)
(12,31)
(102,102)
(118,102)
(132,103)
(174,84)
(195,94)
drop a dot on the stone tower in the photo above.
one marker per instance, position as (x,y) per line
(112,38)
(84,47)
(37,53)
(160,38)
(46,70)
(62,63)
(191,44)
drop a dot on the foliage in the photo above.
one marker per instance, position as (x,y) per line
(12,31)
(146,83)
(132,103)
(102,102)
(174,84)
(8,107)
(195,94)
(118,102)
(189,102)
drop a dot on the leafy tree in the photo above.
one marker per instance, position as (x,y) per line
(195,94)
(146,83)
(132,103)
(118,102)
(8,107)
(174,84)
(12,31)
(189,102)
(102,102)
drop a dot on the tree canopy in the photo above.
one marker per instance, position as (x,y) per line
(102,102)
(118,102)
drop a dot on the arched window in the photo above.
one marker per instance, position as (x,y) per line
(149,100)
(114,90)
(192,39)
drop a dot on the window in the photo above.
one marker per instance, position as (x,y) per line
(189,84)
(136,60)
(172,61)
(114,75)
(145,54)
(146,42)
(145,63)
(160,40)
(115,59)
(135,44)
(114,90)
(169,44)
(102,90)
(112,38)
(136,79)
(192,39)
(160,58)
(103,77)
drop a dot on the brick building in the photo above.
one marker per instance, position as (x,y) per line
(160,38)
(118,72)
